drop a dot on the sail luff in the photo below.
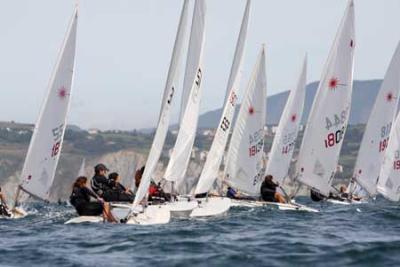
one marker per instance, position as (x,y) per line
(244,167)
(165,111)
(328,119)
(46,143)
(285,138)
(180,156)
(214,157)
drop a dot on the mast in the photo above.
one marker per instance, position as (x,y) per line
(214,158)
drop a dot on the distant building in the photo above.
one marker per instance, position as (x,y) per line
(93,131)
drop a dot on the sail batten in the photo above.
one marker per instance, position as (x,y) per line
(245,166)
(214,157)
(167,102)
(328,118)
(47,138)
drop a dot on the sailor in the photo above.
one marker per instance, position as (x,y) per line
(268,191)
(118,192)
(81,199)
(3,205)
(138,176)
(232,193)
(156,193)
(100,184)
(316,196)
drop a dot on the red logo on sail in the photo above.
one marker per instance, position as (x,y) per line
(390,97)
(62,92)
(293,118)
(251,110)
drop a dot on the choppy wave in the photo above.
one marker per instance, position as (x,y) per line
(357,235)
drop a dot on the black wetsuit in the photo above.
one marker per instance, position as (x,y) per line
(80,199)
(118,194)
(3,210)
(316,196)
(101,185)
(268,190)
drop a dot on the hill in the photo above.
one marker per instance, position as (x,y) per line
(364,94)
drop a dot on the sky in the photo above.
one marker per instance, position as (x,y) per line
(124,49)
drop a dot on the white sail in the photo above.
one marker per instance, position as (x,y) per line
(180,156)
(165,114)
(46,143)
(244,166)
(327,122)
(286,135)
(82,168)
(214,158)
(389,177)
(376,135)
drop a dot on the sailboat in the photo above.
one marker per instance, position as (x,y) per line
(46,143)
(328,119)
(285,139)
(214,206)
(244,167)
(179,160)
(376,136)
(139,212)
(389,176)
(164,118)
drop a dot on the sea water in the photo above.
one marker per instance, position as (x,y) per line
(356,235)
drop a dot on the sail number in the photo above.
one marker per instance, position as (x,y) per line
(288,148)
(396,162)
(233,98)
(337,120)
(334,138)
(385,132)
(225,124)
(57,136)
(256,141)
(255,149)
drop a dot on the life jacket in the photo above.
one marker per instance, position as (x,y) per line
(153,190)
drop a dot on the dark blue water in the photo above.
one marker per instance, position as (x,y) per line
(357,235)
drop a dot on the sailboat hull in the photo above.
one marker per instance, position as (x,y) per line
(152,215)
(346,202)
(281,206)
(213,206)
(182,208)
(17,213)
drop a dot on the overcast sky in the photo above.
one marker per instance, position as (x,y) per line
(124,48)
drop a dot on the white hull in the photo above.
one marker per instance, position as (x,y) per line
(213,206)
(182,208)
(18,213)
(152,215)
(247,203)
(346,202)
(281,206)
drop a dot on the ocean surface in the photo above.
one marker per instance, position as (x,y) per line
(356,235)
